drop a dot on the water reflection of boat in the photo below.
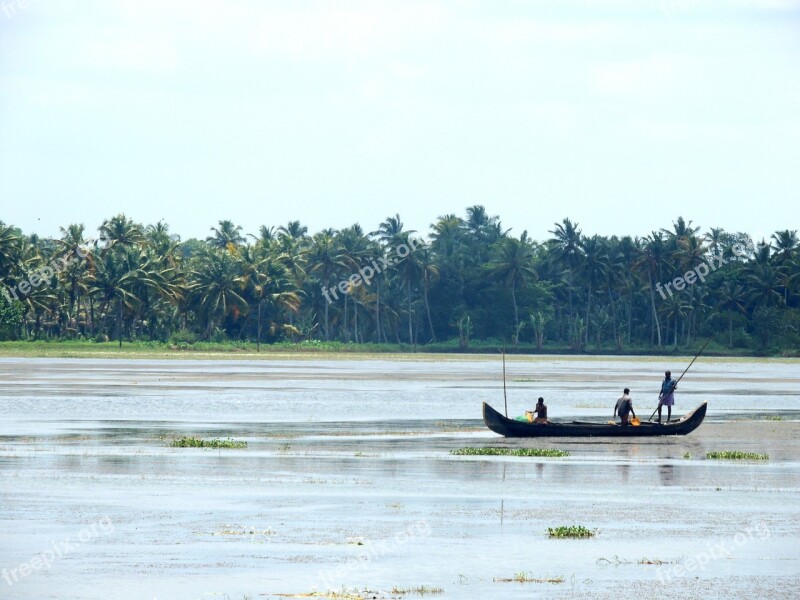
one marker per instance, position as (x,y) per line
(512,428)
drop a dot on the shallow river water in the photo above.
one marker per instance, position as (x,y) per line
(347,481)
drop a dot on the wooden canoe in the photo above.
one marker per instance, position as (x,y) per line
(511,428)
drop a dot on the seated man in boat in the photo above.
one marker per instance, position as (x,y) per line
(667,395)
(541,412)
(624,407)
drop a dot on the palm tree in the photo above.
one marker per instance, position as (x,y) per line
(115,280)
(593,271)
(567,251)
(269,283)
(120,231)
(75,274)
(162,241)
(216,286)
(764,279)
(715,238)
(10,254)
(651,258)
(732,299)
(513,264)
(447,238)
(409,269)
(227,236)
(786,245)
(390,235)
(675,308)
(430,274)
(680,230)
(293,230)
(326,258)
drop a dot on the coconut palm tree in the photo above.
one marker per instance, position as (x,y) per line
(592,271)
(120,231)
(227,235)
(786,245)
(732,298)
(513,265)
(267,281)
(430,274)
(651,258)
(325,258)
(566,250)
(216,286)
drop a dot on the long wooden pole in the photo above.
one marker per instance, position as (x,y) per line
(674,385)
(505,397)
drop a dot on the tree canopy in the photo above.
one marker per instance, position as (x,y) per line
(469,279)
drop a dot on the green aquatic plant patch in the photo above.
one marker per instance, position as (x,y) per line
(571,531)
(193,442)
(490,451)
(736,455)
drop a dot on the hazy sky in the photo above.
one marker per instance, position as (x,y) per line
(620,114)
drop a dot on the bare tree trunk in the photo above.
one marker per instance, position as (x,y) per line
(516,313)
(119,319)
(655,313)
(345,330)
(378,309)
(355,319)
(258,335)
(588,313)
(428,310)
(327,336)
(410,332)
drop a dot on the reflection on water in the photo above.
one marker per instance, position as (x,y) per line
(666,474)
(624,472)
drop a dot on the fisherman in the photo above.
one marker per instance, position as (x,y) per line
(624,407)
(667,395)
(541,412)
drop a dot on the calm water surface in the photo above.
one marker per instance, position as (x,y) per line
(347,481)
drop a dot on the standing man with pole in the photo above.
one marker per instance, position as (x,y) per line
(668,387)
(667,395)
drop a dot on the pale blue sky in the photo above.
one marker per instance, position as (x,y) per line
(620,114)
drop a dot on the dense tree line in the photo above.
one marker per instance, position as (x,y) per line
(468,279)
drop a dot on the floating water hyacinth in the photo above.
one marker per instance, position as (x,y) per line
(547,452)
(193,442)
(736,455)
(571,531)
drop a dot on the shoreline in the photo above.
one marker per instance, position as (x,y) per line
(165,351)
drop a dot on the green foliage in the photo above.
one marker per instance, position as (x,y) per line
(489,451)
(571,531)
(193,442)
(11,319)
(184,336)
(736,455)
(472,288)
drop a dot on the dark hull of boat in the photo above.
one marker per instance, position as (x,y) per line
(511,428)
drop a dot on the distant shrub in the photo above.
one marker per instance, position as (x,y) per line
(183,336)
